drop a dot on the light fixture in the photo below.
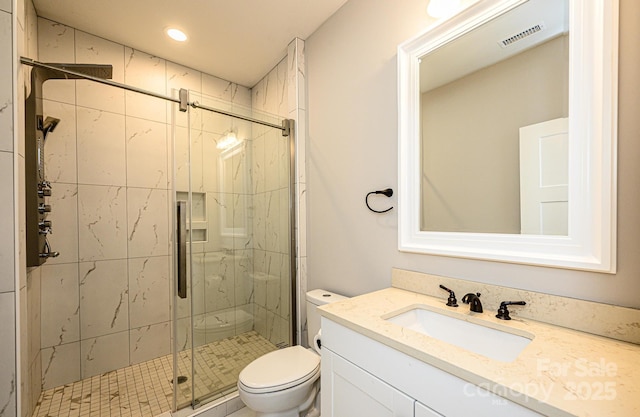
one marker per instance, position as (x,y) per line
(442,8)
(229,141)
(176,34)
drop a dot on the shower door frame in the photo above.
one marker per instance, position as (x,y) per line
(287,129)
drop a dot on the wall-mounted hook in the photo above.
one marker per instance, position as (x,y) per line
(388,192)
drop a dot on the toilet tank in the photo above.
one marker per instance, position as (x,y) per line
(315,299)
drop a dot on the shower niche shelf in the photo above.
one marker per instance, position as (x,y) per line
(199,224)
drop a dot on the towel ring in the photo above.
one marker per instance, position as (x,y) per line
(388,192)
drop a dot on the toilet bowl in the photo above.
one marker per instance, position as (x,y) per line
(286,382)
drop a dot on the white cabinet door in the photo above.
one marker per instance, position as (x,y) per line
(349,391)
(424,411)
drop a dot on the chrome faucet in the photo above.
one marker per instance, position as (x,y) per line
(474,301)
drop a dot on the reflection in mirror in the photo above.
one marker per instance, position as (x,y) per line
(510,156)
(494,109)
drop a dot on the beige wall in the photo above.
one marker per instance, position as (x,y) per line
(352,149)
(470,132)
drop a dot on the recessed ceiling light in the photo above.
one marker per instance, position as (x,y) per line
(176,34)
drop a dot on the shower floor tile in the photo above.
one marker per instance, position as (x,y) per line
(145,389)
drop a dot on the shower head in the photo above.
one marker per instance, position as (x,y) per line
(49,125)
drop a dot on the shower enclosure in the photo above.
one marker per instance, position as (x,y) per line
(234,176)
(127,182)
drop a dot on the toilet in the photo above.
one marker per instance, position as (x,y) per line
(286,382)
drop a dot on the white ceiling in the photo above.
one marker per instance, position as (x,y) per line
(237,40)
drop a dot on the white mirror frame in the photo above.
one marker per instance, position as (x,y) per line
(593,119)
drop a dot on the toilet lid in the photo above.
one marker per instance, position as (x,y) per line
(280,370)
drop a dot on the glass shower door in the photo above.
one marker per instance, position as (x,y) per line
(234,176)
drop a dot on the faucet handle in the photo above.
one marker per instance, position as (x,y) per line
(503,311)
(451,301)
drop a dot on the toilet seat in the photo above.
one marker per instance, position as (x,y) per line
(280,370)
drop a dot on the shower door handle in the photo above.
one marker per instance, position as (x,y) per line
(181,214)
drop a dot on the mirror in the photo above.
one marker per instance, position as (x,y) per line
(507,127)
(480,96)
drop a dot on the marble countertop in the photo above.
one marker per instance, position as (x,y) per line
(561,372)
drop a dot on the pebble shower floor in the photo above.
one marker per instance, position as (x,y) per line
(145,389)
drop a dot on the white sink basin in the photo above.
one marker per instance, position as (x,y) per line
(492,343)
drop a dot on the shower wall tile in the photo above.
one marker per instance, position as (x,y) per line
(301,144)
(90,49)
(102,222)
(6,80)
(60,322)
(214,122)
(6,222)
(271,160)
(60,150)
(25,328)
(104,300)
(301,217)
(259,221)
(243,268)
(149,342)
(283,161)
(211,162)
(101,147)
(260,320)
(56,44)
(149,73)
(283,216)
(277,329)
(197,161)
(64,223)
(272,221)
(103,354)
(183,330)
(198,283)
(60,365)
(225,90)
(147,218)
(219,277)
(281,90)
(8,349)
(146,153)
(35,381)
(21,243)
(285,288)
(149,291)
(258,172)
(31,28)
(34,295)
(181,151)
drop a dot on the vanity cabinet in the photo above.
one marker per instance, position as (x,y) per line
(350,391)
(361,376)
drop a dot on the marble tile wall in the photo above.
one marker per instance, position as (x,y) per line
(297,98)
(8,290)
(276,94)
(105,301)
(23,320)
